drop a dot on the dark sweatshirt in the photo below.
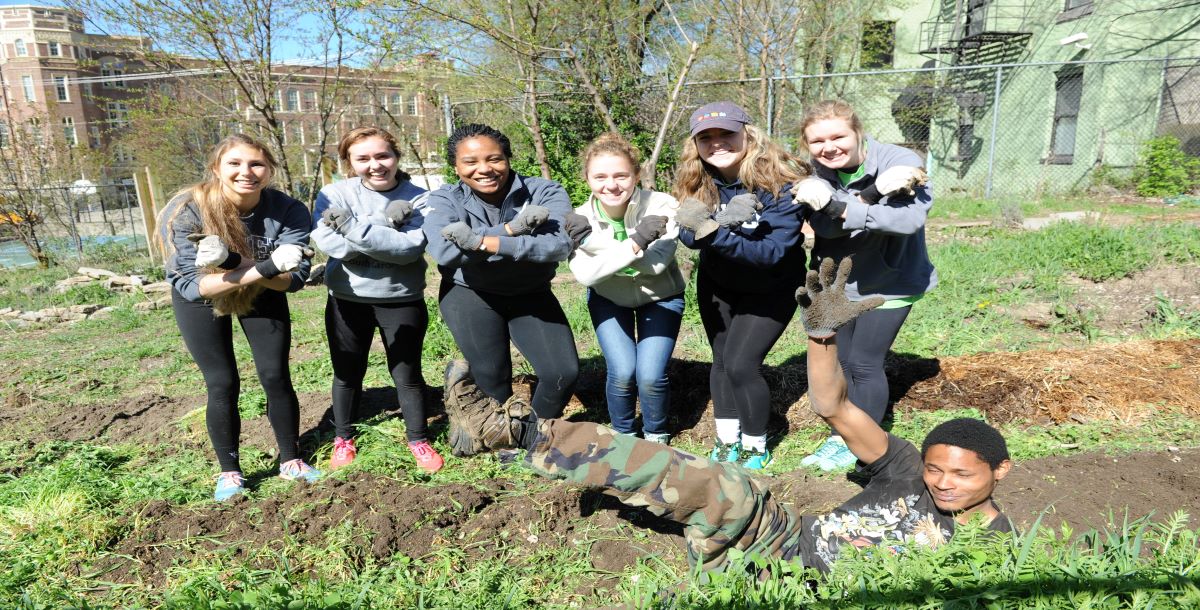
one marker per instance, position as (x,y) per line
(762,256)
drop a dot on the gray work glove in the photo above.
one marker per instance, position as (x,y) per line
(823,303)
(648,229)
(398,212)
(338,219)
(211,252)
(284,259)
(528,219)
(461,235)
(818,195)
(739,209)
(577,227)
(696,217)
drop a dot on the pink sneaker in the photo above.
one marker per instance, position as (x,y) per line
(427,457)
(344,452)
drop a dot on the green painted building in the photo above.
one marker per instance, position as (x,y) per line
(1050,124)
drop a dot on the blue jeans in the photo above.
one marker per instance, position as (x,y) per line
(639,366)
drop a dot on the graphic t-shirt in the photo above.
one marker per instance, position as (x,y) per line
(894,509)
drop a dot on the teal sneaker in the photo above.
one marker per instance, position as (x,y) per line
(831,455)
(722,452)
(753,459)
(297,470)
(229,484)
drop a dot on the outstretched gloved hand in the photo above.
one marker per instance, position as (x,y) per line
(461,235)
(398,211)
(648,229)
(577,227)
(212,252)
(696,217)
(338,219)
(284,259)
(739,209)
(823,303)
(528,219)
(818,195)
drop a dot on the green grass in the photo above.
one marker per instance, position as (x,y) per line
(957,208)
(63,505)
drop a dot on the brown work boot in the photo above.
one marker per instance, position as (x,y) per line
(479,422)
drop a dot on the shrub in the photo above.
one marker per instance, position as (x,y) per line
(1164,169)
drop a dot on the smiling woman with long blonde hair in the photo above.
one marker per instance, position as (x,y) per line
(235,246)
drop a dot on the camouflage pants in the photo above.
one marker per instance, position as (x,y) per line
(722,506)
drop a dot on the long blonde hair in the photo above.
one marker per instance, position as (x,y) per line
(219,216)
(832,109)
(765,165)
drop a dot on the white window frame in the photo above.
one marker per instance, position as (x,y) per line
(20,48)
(54,49)
(62,87)
(117,114)
(69,133)
(414,106)
(28,89)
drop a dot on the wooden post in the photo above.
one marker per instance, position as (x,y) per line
(141,183)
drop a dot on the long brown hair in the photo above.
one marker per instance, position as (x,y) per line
(832,109)
(219,216)
(765,165)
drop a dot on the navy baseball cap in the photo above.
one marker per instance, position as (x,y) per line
(721,115)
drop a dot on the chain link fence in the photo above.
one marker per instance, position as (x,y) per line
(75,220)
(998,130)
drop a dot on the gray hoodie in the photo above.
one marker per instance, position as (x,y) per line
(887,239)
(373,262)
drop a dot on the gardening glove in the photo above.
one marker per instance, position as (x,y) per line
(739,209)
(316,276)
(818,195)
(648,229)
(528,219)
(284,259)
(459,234)
(696,217)
(577,227)
(338,219)
(823,302)
(211,252)
(900,179)
(398,211)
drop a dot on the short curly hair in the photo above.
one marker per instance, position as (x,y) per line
(475,130)
(969,433)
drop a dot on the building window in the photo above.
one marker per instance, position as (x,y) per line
(295,134)
(118,114)
(27,87)
(878,44)
(19,45)
(68,128)
(397,103)
(3,135)
(310,100)
(60,88)
(293,100)
(122,155)
(94,136)
(413,105)
(54,49)
(1068,91)
(111,72)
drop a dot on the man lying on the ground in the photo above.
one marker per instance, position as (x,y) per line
(911,495)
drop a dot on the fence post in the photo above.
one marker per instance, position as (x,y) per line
(987,189)
(771,106)
(447,114)
(1162,88)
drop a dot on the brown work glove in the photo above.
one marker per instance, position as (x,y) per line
(696,217)
(824,306)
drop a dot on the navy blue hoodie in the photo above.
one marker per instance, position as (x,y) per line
(762,256)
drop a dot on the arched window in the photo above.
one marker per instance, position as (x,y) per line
(22,50)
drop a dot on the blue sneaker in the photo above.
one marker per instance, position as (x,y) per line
(833,454)
(753,459)
(722,452)
(229,484)
(297,470)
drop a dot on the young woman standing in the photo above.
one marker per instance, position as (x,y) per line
(234,248)
(733,184)
(635,288)
(370,226)
(497,238)
(870,201)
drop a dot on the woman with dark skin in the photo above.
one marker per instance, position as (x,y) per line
(497,238)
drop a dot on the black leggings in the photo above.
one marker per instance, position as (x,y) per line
(741,329)
(209,338)
(862,345)
(350,327)
(483,323)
